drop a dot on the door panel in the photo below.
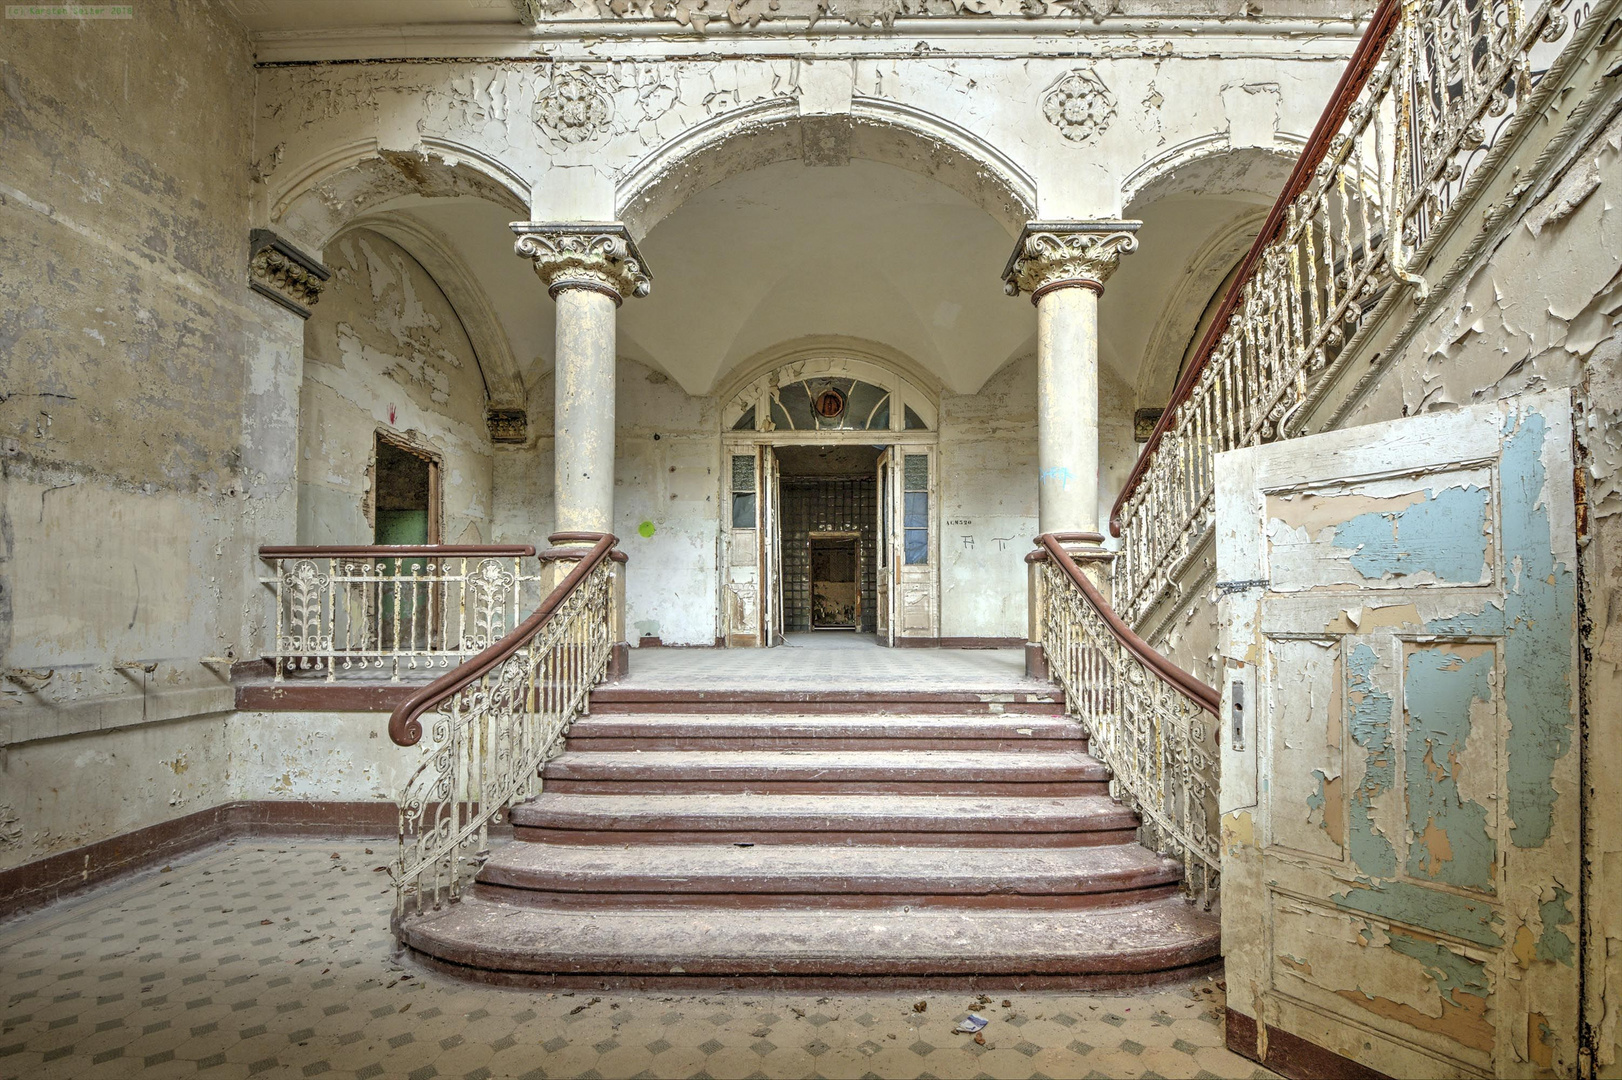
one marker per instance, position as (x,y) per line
(886,570)
(771,550)
(743,583)
(915,576)
(1400,805)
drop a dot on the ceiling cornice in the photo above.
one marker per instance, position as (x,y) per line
(947,37)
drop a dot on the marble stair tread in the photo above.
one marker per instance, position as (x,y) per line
(726,870)
(898,765)
(944,772)
(899,815)
(873,701)
(698,731)
(1154,936)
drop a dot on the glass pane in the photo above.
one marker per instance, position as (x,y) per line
(917,547)
(864,398)
(780,418)
(743,510)
(743,472)
(915,514)
(796,406)
(917,472)
(914,421)
(746,422)
(880,420)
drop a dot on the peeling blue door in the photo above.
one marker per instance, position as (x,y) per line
(1400,800)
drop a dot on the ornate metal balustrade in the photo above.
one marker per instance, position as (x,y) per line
(1151,722)
(1435,97)
(394,608)
(493,722)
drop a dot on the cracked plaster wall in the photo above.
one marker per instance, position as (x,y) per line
(697,14)
(1165,94)
(1539,309)
(128,345)
(385,351)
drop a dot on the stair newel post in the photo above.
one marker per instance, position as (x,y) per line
(1036,601)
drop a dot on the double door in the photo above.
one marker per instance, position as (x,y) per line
(908,551)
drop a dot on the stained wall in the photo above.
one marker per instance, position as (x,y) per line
(129,346)
(386,352)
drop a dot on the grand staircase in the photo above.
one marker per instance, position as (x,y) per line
(867,839)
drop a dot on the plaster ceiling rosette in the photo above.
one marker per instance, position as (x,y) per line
(1079,105)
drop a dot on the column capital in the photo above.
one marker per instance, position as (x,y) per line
(584,255)
(1058,254)
(285,274)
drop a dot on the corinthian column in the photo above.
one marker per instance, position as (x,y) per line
(589,270)
(1063,266)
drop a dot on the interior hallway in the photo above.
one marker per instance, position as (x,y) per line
(274,960)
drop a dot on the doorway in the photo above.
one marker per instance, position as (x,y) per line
(836,593)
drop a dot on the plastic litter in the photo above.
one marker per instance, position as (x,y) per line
(970,1024)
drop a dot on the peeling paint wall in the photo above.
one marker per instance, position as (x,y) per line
(1542,309)
(667,486)
(335,757)
(988,503)
(127,336)
(385,351)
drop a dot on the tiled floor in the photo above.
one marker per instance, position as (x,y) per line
(830,659)
(274,959)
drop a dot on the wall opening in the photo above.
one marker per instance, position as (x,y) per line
(406,482)
(829,537)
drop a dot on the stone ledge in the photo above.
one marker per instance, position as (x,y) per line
(35,723)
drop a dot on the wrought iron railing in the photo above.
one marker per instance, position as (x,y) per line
(395,609)
(493,722)
(1434,99)
(1152,723)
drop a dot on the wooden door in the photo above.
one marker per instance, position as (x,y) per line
(886,570)
(771,550)
(742,591)
(915,605)
(1400,765)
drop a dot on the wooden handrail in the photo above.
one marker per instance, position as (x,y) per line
(1206,697)
(392,551)
(405,724)
(1352,81)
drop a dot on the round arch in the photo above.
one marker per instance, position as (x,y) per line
(751,398)
(332,189)
(1246,180)
(767,132)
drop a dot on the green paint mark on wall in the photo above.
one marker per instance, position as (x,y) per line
(1445,534)
(1451,841)
(645,529)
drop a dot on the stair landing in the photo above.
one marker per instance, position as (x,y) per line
(734,831)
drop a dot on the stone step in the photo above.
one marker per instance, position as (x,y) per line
(834,731)
(935,772)
(522,945)
(613,699)
(923,820)
(820,878)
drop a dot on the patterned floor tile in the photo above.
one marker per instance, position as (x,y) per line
(274,960)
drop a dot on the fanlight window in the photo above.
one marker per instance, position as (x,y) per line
(831,404)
